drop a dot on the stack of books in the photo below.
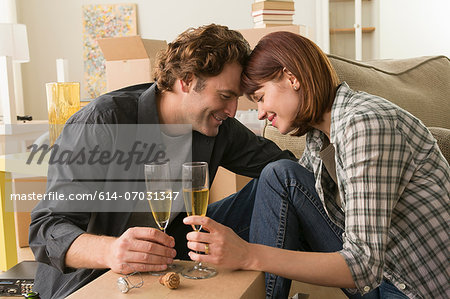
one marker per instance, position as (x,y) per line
(272,13)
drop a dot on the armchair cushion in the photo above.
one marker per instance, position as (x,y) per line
(293,143)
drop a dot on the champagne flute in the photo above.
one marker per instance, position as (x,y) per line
(196,195)
(159,196)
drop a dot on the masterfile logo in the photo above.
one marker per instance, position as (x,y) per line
(139,153)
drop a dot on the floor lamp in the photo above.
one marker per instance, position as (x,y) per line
(13,47)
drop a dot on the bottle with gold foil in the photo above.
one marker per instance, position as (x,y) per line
(63,100)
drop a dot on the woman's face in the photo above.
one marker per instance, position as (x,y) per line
(279,102)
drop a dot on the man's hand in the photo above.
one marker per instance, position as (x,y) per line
(142,248)
(138,249)
(226,248)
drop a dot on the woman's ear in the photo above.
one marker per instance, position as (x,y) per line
(292,79)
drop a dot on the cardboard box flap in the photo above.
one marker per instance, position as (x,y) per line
(127,47)
(130,60)
(153,46)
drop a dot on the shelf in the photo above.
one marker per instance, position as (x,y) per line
(351,30)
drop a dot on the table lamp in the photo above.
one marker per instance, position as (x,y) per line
(13,47)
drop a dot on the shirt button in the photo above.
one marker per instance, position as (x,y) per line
(366,288)
(402,286)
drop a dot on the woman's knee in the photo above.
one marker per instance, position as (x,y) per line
(283,169)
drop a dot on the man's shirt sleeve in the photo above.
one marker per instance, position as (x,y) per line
(56,224)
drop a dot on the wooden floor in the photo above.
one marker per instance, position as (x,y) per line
(314,292)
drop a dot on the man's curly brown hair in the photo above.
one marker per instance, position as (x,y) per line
(201,52)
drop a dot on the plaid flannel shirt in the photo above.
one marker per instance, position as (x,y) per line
(394,186)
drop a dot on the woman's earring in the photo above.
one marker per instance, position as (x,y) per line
(295,88)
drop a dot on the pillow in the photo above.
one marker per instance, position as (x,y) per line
(419,85)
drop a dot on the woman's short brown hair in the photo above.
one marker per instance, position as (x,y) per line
(202,52)
(304,59)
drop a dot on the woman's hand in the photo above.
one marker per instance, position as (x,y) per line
(225,247)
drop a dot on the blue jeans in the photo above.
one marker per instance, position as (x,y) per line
(289,214)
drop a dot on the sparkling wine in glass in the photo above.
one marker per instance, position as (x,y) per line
(159,197)
(196,195)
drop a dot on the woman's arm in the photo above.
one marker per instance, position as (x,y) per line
(230,251)
(320,268)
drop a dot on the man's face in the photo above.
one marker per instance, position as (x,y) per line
(207,108)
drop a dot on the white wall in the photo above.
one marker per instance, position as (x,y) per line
(305,14)
(409,28)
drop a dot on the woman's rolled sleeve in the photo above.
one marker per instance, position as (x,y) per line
(366,270)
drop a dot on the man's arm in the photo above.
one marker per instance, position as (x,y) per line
(320,268)
(58,239)
(58,231)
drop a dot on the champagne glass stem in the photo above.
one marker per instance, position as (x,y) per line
(198,265)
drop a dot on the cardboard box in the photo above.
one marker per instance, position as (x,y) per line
(226,183)
(253,36)
(22,217)
(130,60)
(226,284)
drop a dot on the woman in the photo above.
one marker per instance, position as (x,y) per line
(367,206)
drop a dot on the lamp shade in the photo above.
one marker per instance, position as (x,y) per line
(14,42)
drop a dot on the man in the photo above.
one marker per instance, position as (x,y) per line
(198,83)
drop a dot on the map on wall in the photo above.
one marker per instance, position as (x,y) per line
(100,21)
